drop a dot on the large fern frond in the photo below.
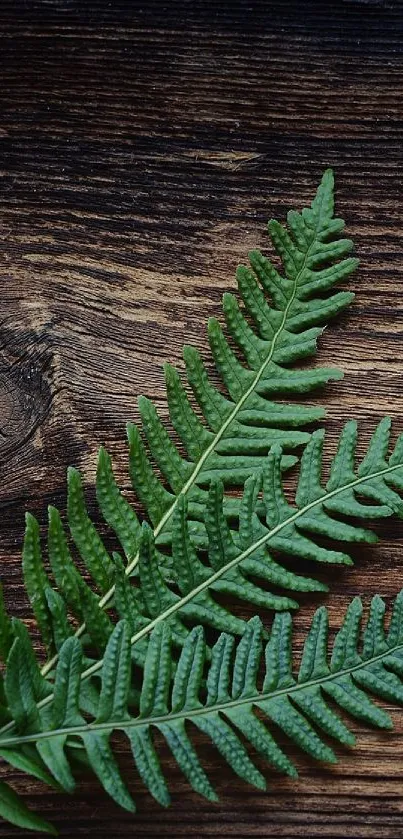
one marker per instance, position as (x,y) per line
(226,436)
(223,706)
(249,562)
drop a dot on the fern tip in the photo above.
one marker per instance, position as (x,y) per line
(170,372)
(328,175)
(103,456)
(190,354)
(377,600)
(335,374)
(73,475)
(349,739)
(272,224)
(31,521)
(213,326)
(227,299)
(346,560)
(132,433)
(145,406)
(356,604)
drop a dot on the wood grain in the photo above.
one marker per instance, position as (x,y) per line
(143,147)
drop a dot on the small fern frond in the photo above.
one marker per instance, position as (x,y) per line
(223,706)
(239,426)
(245,563)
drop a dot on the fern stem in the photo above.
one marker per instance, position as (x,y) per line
(113,725)
(175,607)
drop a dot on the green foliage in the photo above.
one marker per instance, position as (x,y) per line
(220,701)
(225,431)
(248,562)
(240,421)
(153,669)
(13,810)
(46,711)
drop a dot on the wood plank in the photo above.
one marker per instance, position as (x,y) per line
(143,147)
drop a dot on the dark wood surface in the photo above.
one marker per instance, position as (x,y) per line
(143,147)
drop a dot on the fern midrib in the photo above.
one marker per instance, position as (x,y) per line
(189,714)
(90,671)
(107,597)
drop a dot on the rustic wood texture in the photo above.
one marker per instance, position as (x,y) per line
(143,147)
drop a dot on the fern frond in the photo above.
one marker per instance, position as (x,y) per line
(228,435)
(240,424)
(240,433)
(241,562)
(223,706)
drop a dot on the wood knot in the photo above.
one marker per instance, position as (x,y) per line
(25,390)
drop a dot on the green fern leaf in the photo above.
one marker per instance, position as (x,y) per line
(241,562)
(6,633)
(13,810)
(224,707)
(238,434)
(230,441)
(240,425)
(117,512)
(85,535)
(35,579)
(234,557)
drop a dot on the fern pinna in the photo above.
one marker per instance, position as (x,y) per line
(46,739)
(228,435)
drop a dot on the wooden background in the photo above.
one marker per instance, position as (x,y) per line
(143,147)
